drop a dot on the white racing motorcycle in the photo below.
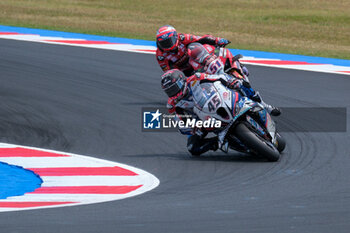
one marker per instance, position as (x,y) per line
(246,125)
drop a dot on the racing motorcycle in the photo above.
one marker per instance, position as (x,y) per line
(246,125)
(201,60)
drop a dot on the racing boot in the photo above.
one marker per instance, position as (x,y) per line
(245,70)
(210,144)
(197,145)
(274,111)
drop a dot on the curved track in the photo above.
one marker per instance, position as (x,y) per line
(88,101)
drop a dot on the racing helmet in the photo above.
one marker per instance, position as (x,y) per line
(167,38)
(174,83)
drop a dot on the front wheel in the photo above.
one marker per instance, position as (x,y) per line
(258,145)
(280,142)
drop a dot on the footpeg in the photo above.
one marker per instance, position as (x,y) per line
(224,146)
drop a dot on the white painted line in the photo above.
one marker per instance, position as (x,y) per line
(50,181)
(314,68)
(39,162)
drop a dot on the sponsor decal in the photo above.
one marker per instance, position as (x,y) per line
(165,36)
(193,83)
(182,37)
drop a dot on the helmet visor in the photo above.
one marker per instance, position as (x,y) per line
(174,88)
(169,41)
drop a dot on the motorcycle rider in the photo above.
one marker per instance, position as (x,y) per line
(179,88)
(172,54)
(203,59)
(172,48)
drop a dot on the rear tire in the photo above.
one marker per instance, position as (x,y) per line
(256,144)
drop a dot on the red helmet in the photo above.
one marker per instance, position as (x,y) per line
(174,83)
(167,39)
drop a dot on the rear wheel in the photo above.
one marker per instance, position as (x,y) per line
(255,143)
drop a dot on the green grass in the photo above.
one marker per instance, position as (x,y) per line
(309,27)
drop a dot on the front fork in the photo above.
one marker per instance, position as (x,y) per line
(269,127)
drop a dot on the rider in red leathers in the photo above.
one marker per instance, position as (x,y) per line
(172,48)
(186,53)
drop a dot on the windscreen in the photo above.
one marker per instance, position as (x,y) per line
(197,52)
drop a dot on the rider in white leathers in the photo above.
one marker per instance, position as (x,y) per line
(181,92)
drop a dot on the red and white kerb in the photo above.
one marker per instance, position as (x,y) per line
(70,179)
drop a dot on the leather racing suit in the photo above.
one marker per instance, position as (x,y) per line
(184,108)
(178,59)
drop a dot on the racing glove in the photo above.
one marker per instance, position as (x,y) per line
(223,42)
(244,86)
(235,84)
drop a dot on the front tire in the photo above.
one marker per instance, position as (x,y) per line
(255,143)
(280,142)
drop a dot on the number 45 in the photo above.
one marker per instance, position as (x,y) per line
(214,103)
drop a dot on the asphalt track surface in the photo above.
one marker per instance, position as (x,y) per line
(88,101)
